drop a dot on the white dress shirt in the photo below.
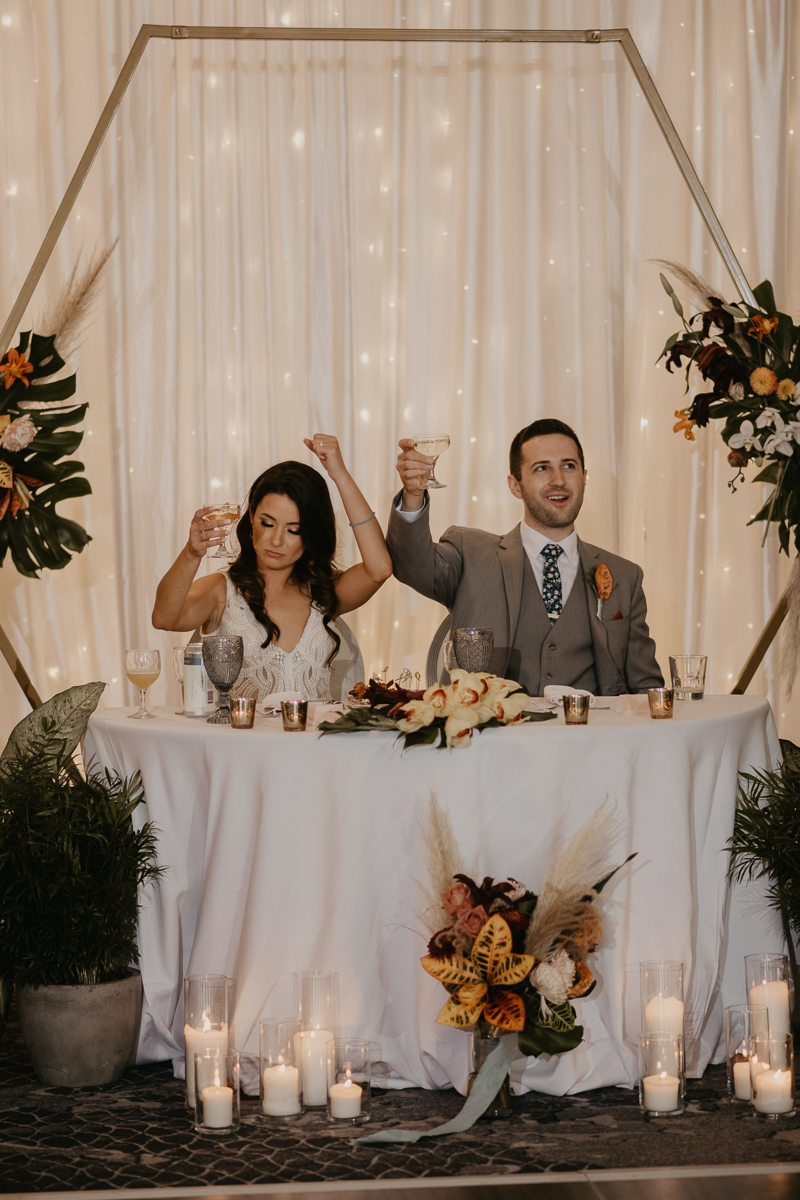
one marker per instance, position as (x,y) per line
(532,543)
(568,560)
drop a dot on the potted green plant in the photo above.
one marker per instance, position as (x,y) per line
(72,865)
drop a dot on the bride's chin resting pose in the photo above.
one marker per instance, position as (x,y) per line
(282,592)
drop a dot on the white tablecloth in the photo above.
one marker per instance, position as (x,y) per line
(286,851)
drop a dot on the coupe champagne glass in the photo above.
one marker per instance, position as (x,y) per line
(143,668)
(224,512)
(222,657)
(431,445)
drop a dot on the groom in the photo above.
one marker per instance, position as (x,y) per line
(538,588)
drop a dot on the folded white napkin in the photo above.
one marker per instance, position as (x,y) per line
(554,691)
(271,705)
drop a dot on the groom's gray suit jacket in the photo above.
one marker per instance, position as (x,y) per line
(480,577)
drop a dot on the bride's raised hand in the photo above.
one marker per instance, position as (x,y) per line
(205,534)
(326,448)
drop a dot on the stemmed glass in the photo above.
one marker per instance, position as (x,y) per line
(431,445)
(178,672)
(143,668)
(224,512)
(222,657)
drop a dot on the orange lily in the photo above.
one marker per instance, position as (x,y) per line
(15,367)
(479,984)
(762,325)
(684,424)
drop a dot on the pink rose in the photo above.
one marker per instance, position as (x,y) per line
(474,920)
(457,899)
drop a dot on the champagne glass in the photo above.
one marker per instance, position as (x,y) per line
(222,657)
(431,445)
(178,671)
(143,668)
(224,512)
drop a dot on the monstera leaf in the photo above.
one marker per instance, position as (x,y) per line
(56,727)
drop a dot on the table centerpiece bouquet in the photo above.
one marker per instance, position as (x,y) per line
(510,960)
(443,715)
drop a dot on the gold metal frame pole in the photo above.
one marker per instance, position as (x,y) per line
(19,672)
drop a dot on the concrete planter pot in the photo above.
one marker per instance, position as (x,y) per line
(81,1036)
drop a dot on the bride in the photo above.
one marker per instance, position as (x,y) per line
(283,591)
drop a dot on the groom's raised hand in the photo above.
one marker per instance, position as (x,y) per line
(413,469)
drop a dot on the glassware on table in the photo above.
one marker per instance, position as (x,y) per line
(469,649)
(660,701)
(243,711)
(772,1075)
(222,658)
(769,981)
(178,672)
(662,1074)
(280,1084)
(576,709)
(143,668)
(349,1092)
(217,1074)
(295,715)
(431,445)
(224,512)
(741,1022)
(688,673)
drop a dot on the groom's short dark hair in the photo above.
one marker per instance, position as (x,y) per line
(540,428)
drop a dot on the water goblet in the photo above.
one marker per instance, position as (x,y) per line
(143,668)
(222,658)
(431,445)
(224,512)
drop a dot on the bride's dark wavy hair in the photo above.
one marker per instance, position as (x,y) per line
(315,570)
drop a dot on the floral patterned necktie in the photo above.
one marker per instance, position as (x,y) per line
(551,581)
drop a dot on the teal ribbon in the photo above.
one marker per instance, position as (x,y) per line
(484,1090)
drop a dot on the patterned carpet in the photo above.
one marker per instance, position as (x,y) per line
(136,1133)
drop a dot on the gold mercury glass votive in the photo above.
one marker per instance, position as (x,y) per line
(576,710)
(660,701)
(243,711)
(295,714)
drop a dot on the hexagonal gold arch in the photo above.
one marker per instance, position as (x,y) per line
(248,33)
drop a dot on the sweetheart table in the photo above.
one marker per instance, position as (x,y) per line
(285,851)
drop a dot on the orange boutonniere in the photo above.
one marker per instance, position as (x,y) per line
(602,583)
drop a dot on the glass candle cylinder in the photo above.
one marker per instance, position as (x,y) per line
(279,1074)
(662,1075)
(316,997)
(295,715)
(772,1075)
(741,1022)
(205,1014)
(660,701)
(216,1074)
(243,711)
(661,984)
(768,981)
(576,709)
(349,1093)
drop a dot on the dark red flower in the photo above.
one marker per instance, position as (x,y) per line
(737,459)
(716,315)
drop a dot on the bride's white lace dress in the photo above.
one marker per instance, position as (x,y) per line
(302,670)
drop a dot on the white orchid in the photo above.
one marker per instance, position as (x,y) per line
(745,439)
(782,440)
(768,417)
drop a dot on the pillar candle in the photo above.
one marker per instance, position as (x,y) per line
(741,1080)
(661,1092)
(197,1040)
(772,1092)
(664,1014)
(345,1099)
(311,1054)
(775,994)
(281,1096)
(217,1107)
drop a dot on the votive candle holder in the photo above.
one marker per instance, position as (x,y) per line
(243,712)
(295,715)
(217,1092)
(769,981)
(576,709)
(662,1074)
(349,1098)
(280,1083)
(741,1022)
(661,702)
(772,1075)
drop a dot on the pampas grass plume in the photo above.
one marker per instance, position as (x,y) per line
(69,316)
(442,860)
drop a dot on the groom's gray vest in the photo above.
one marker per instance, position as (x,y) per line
(559,653)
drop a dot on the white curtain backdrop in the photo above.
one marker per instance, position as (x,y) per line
(384,239)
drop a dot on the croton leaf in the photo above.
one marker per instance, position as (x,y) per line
(513,969)
(465,1007)
(505,1010)
(491,946)
(454,969)
(560,1017)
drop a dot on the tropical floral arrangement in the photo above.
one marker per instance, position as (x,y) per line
(513,961)
(36,413)
(443,715)
(750,357)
